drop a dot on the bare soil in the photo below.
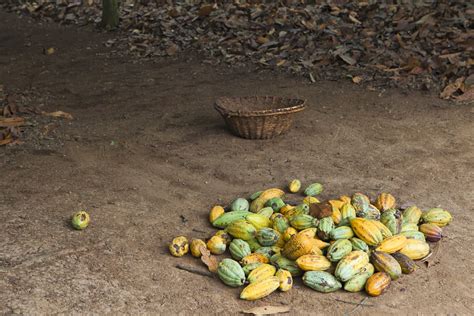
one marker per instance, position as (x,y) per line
(147,156)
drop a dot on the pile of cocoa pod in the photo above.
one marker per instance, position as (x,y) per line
(351,242)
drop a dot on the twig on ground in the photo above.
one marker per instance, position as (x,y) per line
(361,303)
(353,303)
(194,270)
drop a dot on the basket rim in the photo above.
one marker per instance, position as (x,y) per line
(279,111)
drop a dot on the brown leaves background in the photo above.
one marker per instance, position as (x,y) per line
(423,45)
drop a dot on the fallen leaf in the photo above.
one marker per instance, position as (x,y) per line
(12,121)
(209,260)
(205,10)
(267,310)
(58,114)
(467,96)
(357,79)
(348,59)
(451,88)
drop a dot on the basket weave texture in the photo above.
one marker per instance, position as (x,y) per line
(259,117)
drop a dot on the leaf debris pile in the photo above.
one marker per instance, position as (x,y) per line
(421,45)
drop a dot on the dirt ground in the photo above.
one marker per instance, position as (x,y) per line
(147,156)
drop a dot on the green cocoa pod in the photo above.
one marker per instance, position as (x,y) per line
(359,244)
(267,237)
(231,273)
(321,281)
(280,224)
(341,232)
(338,250)
(239,248)
(411,234)
(239,204)
(393,219)
(303,221)
(361,203)
(325,227)
(266,211)
(275,203)
(313,189)
(250,267)
(412,215)
(227,218)
(286,264)
(357,282)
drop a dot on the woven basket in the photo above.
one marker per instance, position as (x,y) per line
(259,117)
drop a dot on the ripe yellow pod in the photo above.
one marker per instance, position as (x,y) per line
(263,271)
(344,198)
(289,232)
(215,212)
(216,245)
(336,215)
(195,247)
(415,249)
(285,209)
(254,257)
(385,201)
(336,203)
(377,283)
(310,200)
(294,186)
(310,232)
(313,263)
(286,280)
(392,244)
(260,289)
(179,246)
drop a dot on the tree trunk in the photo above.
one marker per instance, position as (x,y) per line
(110,13)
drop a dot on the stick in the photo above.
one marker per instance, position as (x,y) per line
(352,303)
(358,305)
(193,270)
(199,231)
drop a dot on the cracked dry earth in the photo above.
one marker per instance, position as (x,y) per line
(147,156)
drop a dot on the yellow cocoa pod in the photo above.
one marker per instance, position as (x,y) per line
(260,289)
(216,245)
(383,229)
(415,249)
(310,232)
(297,246)
(286,280)
(346,199)
(266,195)
(195,247)
(179,246)
(310,200)
(385,201)
(321,244)
(289,232)
(392,244)
(254,257)
(225,235)
(367,231)
(336,203)
(263,271)
(285,209)
(315,250)
(313,263)
(294,186)
(336,215)
(215,212)
(377,283)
